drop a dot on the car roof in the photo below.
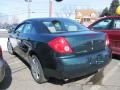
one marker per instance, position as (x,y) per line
(44,19)
(109,17)
(102,18)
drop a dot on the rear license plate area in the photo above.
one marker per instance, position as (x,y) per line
(96,59)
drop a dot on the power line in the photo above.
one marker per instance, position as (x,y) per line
(12,14)
(11,10)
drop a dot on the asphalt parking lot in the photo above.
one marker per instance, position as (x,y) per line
(18,77)
(3,34)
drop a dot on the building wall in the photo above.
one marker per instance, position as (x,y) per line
(86,16)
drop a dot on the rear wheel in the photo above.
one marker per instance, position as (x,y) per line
(10,48)
(36,70)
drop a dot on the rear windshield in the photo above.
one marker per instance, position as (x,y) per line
(56,26)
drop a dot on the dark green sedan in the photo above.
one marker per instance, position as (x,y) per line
(59,48)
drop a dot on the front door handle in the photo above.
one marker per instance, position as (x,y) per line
(28,39)
(16,37)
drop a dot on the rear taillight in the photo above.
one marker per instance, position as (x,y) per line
(0,52)
(107,41)
(60,45)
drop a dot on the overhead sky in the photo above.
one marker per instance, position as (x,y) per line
(40,8)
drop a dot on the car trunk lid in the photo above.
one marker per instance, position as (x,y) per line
(86,42)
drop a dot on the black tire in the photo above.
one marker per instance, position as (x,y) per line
(36,70)
(10,48)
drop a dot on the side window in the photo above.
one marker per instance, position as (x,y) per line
(33,30)
(27,28)
(19,29)
(116,24)
(102,25)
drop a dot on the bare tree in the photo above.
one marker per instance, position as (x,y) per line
(66,11)
(14,19)
(3,18)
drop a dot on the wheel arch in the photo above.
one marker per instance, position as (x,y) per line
(32,52)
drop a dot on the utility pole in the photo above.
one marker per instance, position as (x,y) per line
(50,8)
(29,7)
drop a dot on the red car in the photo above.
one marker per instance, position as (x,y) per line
(111,26)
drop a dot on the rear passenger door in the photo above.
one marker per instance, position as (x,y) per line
(115,35)
(25,44)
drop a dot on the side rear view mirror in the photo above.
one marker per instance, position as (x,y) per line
(90,27)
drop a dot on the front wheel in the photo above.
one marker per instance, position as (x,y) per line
(36,70)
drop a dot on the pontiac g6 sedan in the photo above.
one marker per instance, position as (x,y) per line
(59,48)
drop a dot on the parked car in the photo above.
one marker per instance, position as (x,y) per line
(2,67)
(59,48)
(111,26)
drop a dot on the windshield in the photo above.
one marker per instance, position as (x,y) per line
(57,26)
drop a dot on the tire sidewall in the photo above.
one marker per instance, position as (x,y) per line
(42,77)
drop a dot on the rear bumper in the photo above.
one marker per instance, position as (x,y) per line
(76,66)
(2,69)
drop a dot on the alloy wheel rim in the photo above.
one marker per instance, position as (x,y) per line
(35,68)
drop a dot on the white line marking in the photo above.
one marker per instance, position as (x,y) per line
(14,63)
